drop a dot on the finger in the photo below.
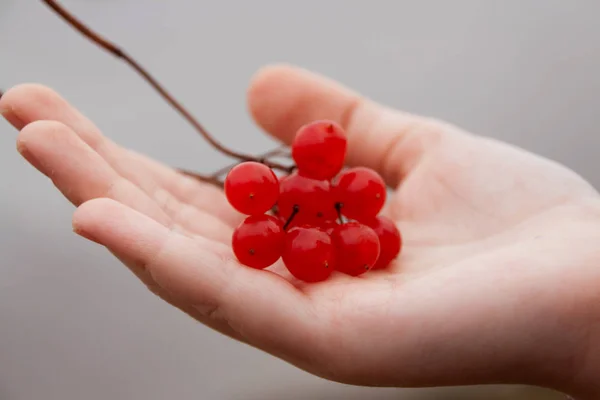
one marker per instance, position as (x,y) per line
(81,174)
(206,197)
(283,98)
(144,276)
(77,170)
(192,219)
(28,103)
(267,311)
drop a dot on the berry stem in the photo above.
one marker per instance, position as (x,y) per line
(338,208)
(120,53)
(292,215)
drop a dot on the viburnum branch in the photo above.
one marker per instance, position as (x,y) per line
(280,151)
(119,53)
(202,178)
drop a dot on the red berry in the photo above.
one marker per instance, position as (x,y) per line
(361,191)
(308,254)
(357,248)
(313,198)
(319,149)
(251,188)
(329,226)
(390,240)
(258,241)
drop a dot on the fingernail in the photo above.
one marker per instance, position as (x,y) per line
(84,234)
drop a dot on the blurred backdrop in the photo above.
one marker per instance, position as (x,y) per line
(75,324)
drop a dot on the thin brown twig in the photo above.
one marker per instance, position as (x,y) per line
(119,53)
(214,177)
(280,151)
(202,178)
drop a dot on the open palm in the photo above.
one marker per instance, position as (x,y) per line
(495,239)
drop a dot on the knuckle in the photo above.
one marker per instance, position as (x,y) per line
(114,188)
(165,200)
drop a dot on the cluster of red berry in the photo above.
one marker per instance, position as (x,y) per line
(317,219)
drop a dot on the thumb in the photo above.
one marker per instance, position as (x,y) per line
(202,278)
(283,98)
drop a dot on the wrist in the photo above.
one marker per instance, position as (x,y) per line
(569,361)
(583,372)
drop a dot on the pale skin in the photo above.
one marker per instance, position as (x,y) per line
(498,280)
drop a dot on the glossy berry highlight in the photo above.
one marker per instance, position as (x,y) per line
(319,149)
(361,193)
(357,248)
(308,254)
(258,241)
(251,188)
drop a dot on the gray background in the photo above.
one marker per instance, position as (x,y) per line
(74,324)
